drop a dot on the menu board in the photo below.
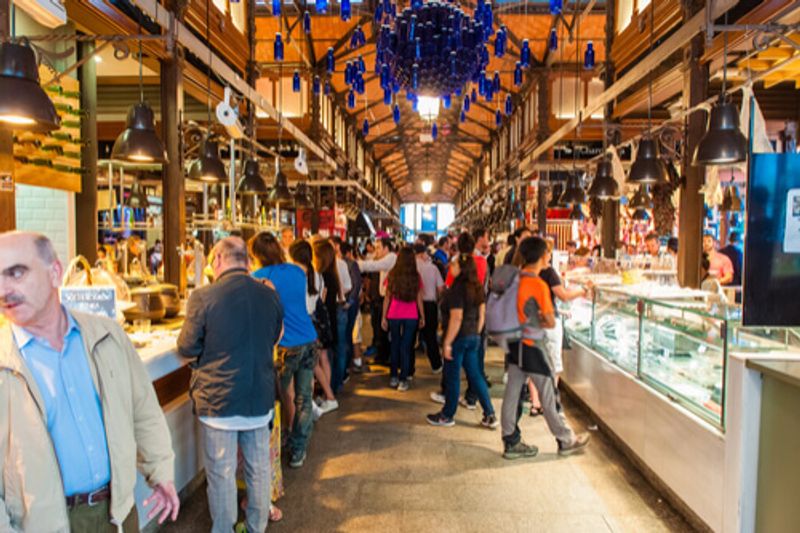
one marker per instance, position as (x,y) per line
(92,300)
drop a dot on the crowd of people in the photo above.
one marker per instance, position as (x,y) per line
(273,341)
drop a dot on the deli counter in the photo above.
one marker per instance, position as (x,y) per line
(663,370)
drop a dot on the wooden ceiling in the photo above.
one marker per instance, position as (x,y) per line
(397,147)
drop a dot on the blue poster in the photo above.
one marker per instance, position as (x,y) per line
(428,224)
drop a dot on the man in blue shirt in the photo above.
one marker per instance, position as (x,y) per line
(80,406)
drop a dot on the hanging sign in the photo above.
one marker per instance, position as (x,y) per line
(92,300)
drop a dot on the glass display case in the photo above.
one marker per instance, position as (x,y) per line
(679,348)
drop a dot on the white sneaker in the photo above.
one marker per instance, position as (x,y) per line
(437,397)
(402,386)
(316,412)
(328,406)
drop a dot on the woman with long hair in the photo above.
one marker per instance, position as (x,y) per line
(402,311)
(302,255)
(463,311)
(325,264)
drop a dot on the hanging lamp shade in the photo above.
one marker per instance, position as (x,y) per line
(139,142)
(23,105)
(604,186)
(641,215)
(209,166)
(648,167)
(137,198)
(574,193)
(576,213)
(731,201)
(723,143)
(280,193)
(302,198)
(641,199)
(251,182)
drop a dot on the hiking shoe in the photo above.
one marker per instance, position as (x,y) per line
(393,382)
(438,419)
(298,459)
(520,450)
(328,405)
(438,397)
(402,386)
(464,403)
(437,370)
(575,446)
(490,421)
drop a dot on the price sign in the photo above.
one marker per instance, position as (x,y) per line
(93,300)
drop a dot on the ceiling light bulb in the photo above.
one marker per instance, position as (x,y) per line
(428,107)
(427,187)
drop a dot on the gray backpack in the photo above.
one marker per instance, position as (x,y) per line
(502,319)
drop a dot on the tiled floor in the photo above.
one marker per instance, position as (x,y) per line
(376,465)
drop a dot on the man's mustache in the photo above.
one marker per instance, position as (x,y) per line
(11,299)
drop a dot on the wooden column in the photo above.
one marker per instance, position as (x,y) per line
(8,206)
(86,200)
(542,133)
(610,214)
(172,172)
(690,222)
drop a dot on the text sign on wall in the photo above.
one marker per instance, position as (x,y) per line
(93,300)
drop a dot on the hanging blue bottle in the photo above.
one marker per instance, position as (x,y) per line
(518,74)
(466,104)
(276,8)
(552,42)
(395,86)
(474,96)
(351,99)
(509,105)
(277,48)
(463,116)
(453,63)
(481,84)
(498,118)
(362,65)
(412,28)
(315,86)
(556,7)
(385,74)
(296,82)
(396,114)
(331,61)
(496,81)
(345,10)
(434,131)
(446,101)
(525,54)
(418,48)
(415,76)
(588,56)
(387,96)
(327,88)
(348,73)
(365,128)
(414,102)
(321,6)
(307,22)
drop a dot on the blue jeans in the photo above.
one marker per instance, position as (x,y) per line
(298,363)
(465,353)
(402,333)
(471,395)
(339,360)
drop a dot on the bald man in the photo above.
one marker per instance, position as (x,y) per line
(79,413)
(231,329)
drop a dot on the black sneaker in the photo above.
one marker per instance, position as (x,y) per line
(490,421)
(298,459)
(520,450)
(438,419)
(575,446)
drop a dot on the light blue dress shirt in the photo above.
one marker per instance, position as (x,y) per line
(72,406)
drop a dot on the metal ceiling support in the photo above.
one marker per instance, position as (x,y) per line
(186,38)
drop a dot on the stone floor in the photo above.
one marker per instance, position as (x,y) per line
(376,465)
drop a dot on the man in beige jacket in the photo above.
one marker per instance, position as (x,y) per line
(78,413)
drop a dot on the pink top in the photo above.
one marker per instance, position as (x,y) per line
(402,310)
(719,265)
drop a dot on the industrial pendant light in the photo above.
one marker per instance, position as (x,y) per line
(208,167)
(137,198)
(574,193)
(648,168)
(138,143)
(23,104)
(723,143)
(302,198)
(641,199)
(731,201)
(252,182)
(604,186)
(280,193)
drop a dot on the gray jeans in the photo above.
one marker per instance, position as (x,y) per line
(221,453)
(548,395)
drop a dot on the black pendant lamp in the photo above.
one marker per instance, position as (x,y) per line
(731,201)
(23,103)
(604,186)
(641,199)
(280,193)
(723,143)
(208,167)
(641,215)
(252,182)
(648,168)
(574,193)
(139,142)
(576,213)
(137,198)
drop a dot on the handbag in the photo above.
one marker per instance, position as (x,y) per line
(322,323)
(531,359)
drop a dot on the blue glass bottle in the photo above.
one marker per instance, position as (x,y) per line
(345,10)
(496,82)
(466,104)
(518,74)
(462,117)
(434,131)
(396,114)
(556,6)
(387,96)
(509,105)
(307,22)
(351,99)
(276,8)
(446,101)
(331,61)
(525,53)
(365,128)
(296,82)
(415,76)
(498,118)
(321,6)
(588,56)
(327,88)
(277,47)
(315,86)
(552,42)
